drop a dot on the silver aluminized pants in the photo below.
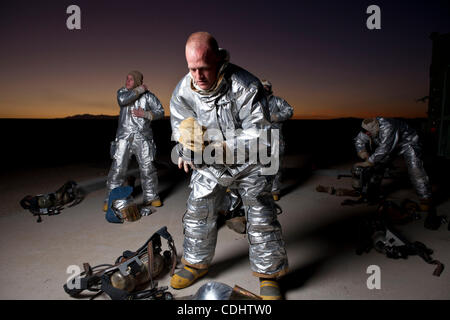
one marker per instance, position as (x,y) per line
(417,174)
(268,258)
(143,149)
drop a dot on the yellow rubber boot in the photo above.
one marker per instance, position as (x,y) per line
(186,277)
(425,204)
(105,206)
(276,196)
(156,203)
(269,289)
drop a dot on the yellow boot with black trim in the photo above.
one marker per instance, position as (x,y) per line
(153,203)
(186,277)
(156,203)
(105,206)
(269,289)
(425,204)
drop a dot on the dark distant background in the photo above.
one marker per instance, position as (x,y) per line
(57,142)
(319,54)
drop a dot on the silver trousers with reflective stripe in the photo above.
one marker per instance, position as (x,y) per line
(143,149)
(266,247)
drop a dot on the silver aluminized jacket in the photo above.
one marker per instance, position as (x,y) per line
(238,103)
(134,136)
(282,111)
(396,137)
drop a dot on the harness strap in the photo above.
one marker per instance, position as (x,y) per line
(114,293)
(150,261)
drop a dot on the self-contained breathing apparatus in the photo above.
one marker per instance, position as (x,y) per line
(52,203)
(130,273)
(377,232)
(366,182)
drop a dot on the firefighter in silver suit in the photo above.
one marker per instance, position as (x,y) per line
(280,111)
(138,107)
(221,107)
(389,138)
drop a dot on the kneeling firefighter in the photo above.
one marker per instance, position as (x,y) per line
(390,137)
(138,107)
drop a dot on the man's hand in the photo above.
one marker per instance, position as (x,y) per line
(364,164)
(141,89)
(141,113)
(138,112)
(363,155)
(185,164)
(273,118)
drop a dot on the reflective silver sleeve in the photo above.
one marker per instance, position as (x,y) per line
(125,96)
(155,106)
(285,110)
(255,123)
(361,141)
(179,111)
(388,137)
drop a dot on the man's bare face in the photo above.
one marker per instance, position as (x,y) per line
(202,64)
(129,84)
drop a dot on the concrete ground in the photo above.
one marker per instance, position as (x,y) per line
(320,235)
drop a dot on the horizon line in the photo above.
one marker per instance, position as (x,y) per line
(295,117)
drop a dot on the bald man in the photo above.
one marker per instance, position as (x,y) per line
(220,105)
(138,107)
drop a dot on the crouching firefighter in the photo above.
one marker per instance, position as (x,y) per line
(138,107)
(388,138)
(131,272)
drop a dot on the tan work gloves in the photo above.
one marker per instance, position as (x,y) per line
(191,135)
(141,113)
(364,164)
(273,118)
(365,156)
(140,90)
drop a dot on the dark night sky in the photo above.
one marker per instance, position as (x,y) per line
(319,55)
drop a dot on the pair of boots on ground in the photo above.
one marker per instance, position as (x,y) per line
(269,288)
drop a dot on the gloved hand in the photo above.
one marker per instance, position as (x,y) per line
(141,89)
(141,113)
(364,164)
(191,135)
(363,155)
(273,118)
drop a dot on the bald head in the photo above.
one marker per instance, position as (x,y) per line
(202,57)
(203,40)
